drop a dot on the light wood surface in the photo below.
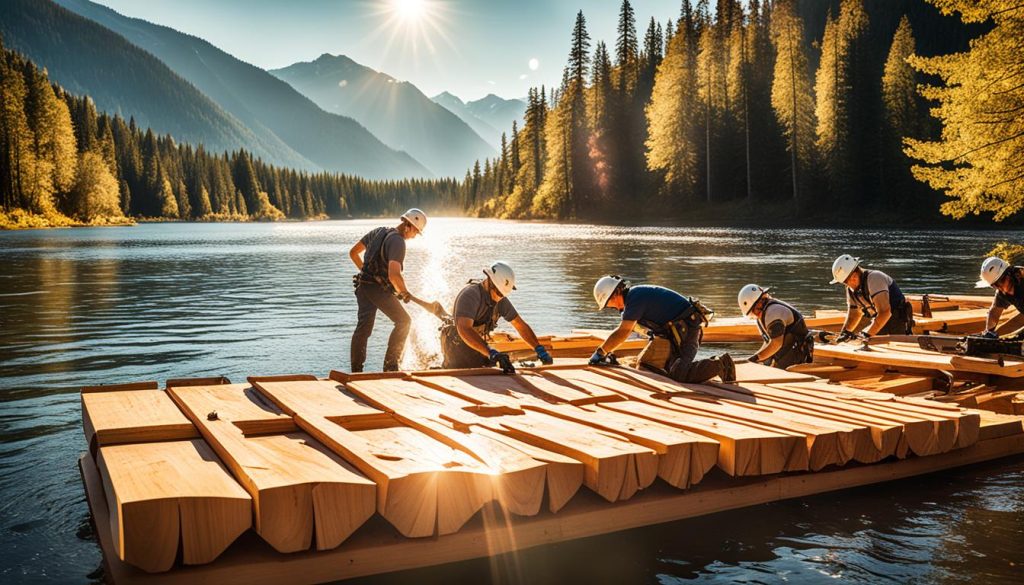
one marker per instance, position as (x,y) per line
(132,414)
(160,494)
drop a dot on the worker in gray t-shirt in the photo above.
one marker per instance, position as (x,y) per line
(786,339)
(380,258)
(478,307)
(872,294)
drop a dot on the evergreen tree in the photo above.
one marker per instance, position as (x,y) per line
(791,89)
(902,114)
(95,190)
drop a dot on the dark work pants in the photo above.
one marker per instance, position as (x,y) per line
(901,321)
(456,353)
(793,351)
(683,368)
(371,296)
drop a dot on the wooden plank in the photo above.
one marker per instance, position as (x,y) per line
(299,488)
(748,372)
(132,414)
(373,553)
(683,457)
(907,355)
(424,486)
(164,493)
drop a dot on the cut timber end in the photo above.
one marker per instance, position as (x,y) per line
(163,493)
(425,486)
(296,484)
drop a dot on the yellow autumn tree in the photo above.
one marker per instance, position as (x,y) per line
(791,88)
(979,159)
(671,118)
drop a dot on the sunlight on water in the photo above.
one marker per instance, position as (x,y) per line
(433,282)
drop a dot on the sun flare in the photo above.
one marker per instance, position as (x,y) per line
(409,10)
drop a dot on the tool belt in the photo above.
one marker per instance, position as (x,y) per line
(797,341)
(675,330)
(384,283)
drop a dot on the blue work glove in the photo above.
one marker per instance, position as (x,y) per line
(493,355)
(543,355)
(597,358)
(990,334)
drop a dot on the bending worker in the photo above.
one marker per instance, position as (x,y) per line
(477,309)
(666,315)
(872,294)
(1009,284)
(380,285)
(786,339)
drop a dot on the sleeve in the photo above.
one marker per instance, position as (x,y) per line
(507,310)
(635,306)
(775,320)
(878,283)
(394,249)
(1000,301)
(776,329)
(467,303)
(365,240)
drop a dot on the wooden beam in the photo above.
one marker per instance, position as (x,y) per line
(131,413)
(160,494)
(299,488)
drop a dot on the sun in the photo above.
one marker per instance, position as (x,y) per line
(409,10)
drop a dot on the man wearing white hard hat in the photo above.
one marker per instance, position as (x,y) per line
(782,327)
(668,317)
(872,294)
(380,258)
(478,306)
(1009,284)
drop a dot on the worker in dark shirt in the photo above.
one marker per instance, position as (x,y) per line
(666,315)
(872,294)
(782,328)
(380,258)
(478,306)
(1009,284)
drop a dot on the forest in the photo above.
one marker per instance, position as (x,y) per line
(760,110)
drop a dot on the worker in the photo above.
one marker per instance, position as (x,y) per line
(670,319)
(1009,284)
(478,306)
(872,294)
(380,258)
(786,339)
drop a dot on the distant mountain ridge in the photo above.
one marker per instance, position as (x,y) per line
(490,115)
(396,111)
(258,99)
(86,58)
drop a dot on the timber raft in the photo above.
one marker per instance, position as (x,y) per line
(304,480)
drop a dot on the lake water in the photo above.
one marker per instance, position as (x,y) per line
(92,306)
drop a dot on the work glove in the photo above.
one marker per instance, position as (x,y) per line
(843,336)
(863,336)
(404,296)
(500,359)
(600,358)
(989,334)
(543,355)
(753,359)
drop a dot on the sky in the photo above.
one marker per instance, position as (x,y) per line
(468,47)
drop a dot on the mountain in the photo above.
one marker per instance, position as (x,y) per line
(395,111)
(86,58)
(456,106)
(258,99)
(489,116)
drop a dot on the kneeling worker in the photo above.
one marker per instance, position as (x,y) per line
(1009,284)
(665,314)
(380,285)
(874,294)
(786,339)
(477,309)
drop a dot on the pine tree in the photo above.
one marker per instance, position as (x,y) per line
(899,99)
(791,89)
(979,160)
(54,144)
(671,148)
(707,88)
(16,153)
(95,190)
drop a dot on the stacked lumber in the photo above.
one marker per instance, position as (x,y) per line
(306,462)
(164,488)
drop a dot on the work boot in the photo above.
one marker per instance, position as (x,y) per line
(728,369)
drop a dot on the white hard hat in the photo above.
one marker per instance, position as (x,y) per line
(748,297)
(416,218)
(842,267)
(502,277)
(992,269)
(604,289)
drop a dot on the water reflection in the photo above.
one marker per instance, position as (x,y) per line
(90,306)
